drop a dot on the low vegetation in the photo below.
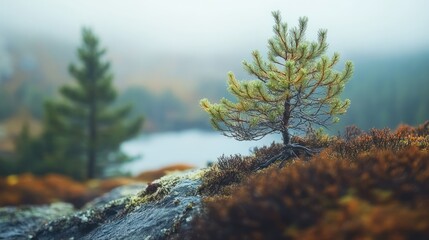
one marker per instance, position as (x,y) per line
(151,175)
(362,185)
(27,188)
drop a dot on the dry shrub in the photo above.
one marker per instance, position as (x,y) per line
(423,129)
(227,171)
(405,130)
(314,139)
(64,188)
(29,189)
(354,141)
(378,195)
(261,153)
(24,189)
(362,186)
(351,133)
(234,169)
(357,219)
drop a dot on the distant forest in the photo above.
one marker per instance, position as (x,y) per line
(388,91)
(384,91)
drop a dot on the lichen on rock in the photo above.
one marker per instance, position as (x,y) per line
(167,207)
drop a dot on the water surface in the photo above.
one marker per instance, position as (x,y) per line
(192,147)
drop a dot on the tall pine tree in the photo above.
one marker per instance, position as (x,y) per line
(83,127)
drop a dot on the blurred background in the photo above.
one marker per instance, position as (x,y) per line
(166,55)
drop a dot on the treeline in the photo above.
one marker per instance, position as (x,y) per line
(23,91)
(163,111)
(388,91)
(384,92)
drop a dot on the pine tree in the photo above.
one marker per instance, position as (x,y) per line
(83,127)
(24,159)
(295,89)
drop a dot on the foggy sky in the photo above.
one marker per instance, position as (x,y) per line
(218,26)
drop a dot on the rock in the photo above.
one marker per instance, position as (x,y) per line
(116,194)
(166,206)
(22,222)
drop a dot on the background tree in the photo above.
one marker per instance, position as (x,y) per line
(83,127)
(295,89)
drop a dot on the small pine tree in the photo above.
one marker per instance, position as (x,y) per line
(83,127)
(296,88)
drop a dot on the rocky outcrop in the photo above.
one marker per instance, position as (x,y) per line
(22,222)
(116,194)
(158,211)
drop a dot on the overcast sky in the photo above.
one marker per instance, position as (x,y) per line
(215,26)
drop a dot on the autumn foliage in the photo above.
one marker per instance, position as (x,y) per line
(24,189)
(371,185)
(29,189)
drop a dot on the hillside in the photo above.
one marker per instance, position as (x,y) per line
(370,185)
(361,186)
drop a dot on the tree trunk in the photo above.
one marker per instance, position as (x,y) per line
(285,121)
(91,153)
(91,146)
(286,137)
(92,125)
(289,150)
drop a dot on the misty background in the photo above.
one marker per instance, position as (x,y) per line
(166,55)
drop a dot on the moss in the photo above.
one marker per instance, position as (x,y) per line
(161,187)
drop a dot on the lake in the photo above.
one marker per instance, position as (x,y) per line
(194,147)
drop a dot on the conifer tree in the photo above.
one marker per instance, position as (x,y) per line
(24,149)
(295,89)
(84,127)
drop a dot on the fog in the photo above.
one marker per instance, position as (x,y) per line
(211,28)
(179,46)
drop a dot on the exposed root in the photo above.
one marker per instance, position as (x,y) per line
(289,151)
